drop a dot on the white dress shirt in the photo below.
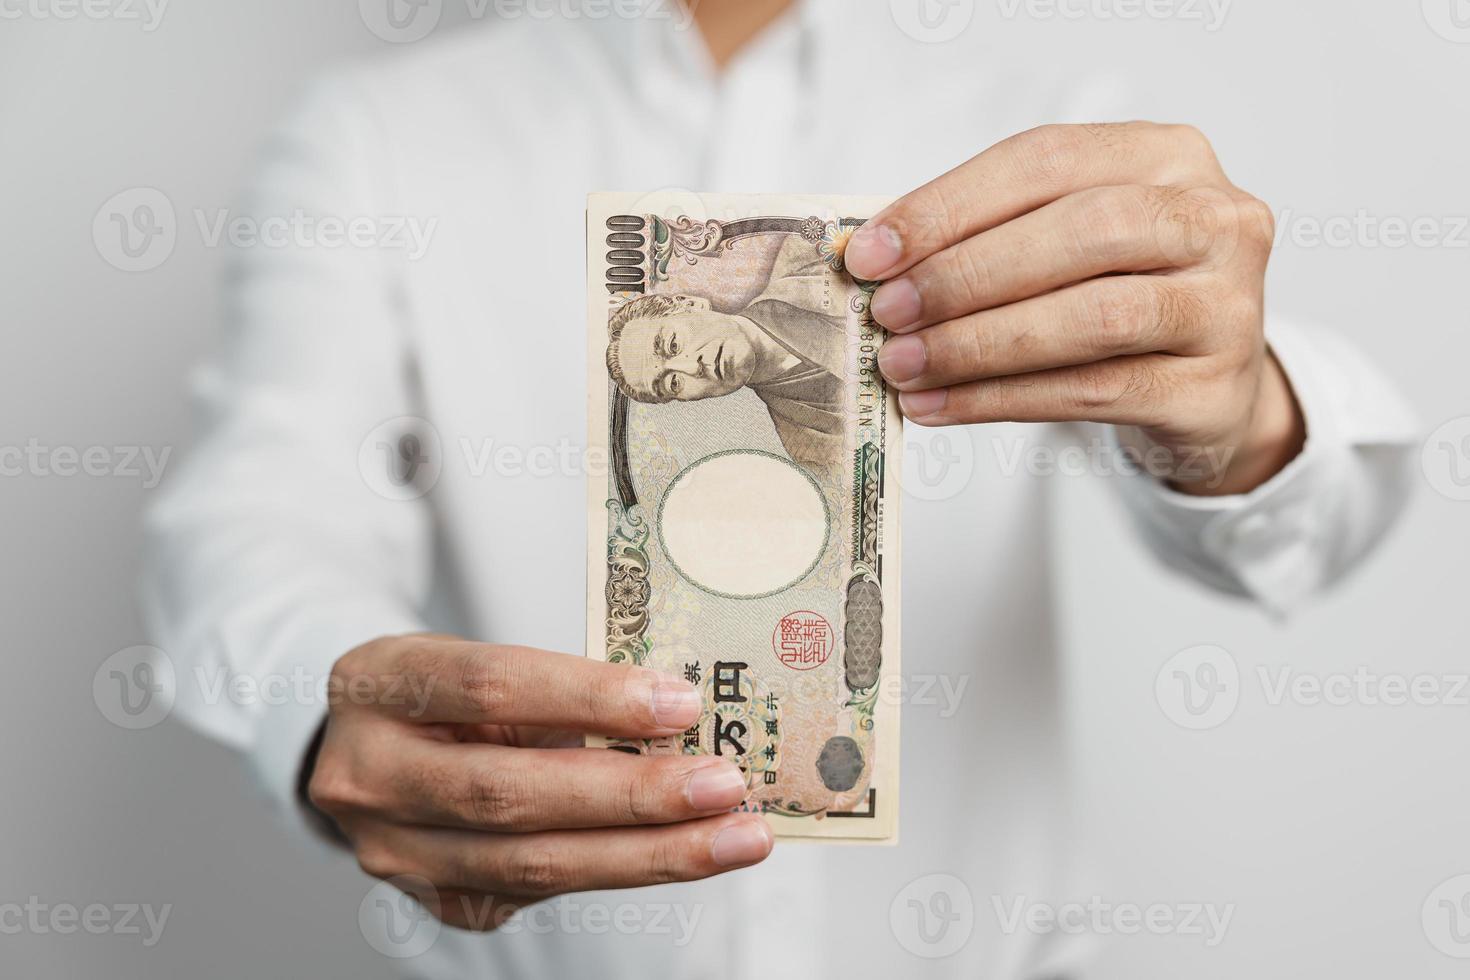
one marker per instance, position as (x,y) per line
(273,551)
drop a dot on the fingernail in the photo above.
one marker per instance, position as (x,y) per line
(873,250)
(902,359)
(920,404)
(896,304)
(744,843)
(716,787)
(676,705)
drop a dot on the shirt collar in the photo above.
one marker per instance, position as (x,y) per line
(661,45)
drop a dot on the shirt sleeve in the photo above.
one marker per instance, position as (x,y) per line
(278,547)
(1309,525)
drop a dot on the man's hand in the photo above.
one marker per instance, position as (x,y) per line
(1106,273)
(462,764)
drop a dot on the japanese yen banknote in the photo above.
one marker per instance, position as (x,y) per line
(746,534)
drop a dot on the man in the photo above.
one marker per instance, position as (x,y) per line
(786,346)
(1059,275)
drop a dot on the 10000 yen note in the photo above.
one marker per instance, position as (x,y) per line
(746,534)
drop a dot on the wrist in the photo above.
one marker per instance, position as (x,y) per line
(1274,435)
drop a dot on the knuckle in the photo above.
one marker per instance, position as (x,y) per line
(668,860)
(499,799)
(376,860)
(1112,220)
(970,272)
(1121,311)
(333,790)
(1102,387)
(353,663)
(1242,318)
(642,795)
(421,657)
(1258,222)
(606,697)
(1052,153)
(537,871)
(486,683)
(966,346)
(1193,140)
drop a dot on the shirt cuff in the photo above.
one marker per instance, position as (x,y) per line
(286,728)
(1276,543)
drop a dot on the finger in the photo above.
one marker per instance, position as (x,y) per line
(561,861)
(476,683)
(1091,233)
(1109,317)
(470,910)
(491,787)
(1019,175)
(1121,391)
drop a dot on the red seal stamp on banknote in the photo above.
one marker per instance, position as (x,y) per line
(803,640)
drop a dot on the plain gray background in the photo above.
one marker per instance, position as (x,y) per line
(1327,827)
